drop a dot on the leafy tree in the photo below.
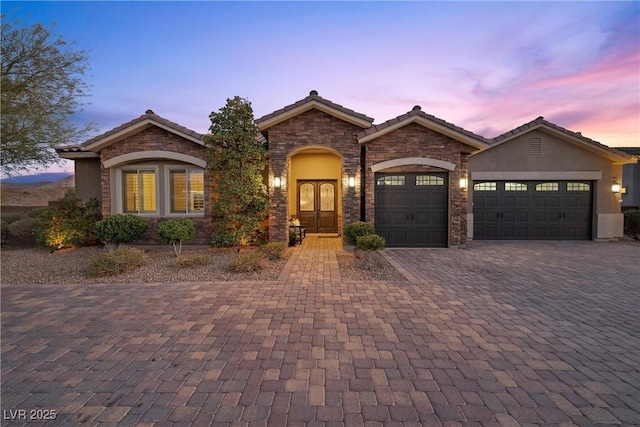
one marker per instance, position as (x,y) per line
(41,90)
(236,159)
(175,231)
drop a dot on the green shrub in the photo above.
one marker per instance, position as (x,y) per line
(274,250)
(26,228)
(356,229)
(175,231)
(38,212)
(10,218)
(225,239)
(117,262)
(70,224)
(121,229)
(371,242)
(193,260)
(252,260)
(632,224)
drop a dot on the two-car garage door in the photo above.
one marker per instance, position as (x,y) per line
(532,210)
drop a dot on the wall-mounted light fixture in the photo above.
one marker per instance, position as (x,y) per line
(463,183)
(277,182)
(616,187)
(352,182)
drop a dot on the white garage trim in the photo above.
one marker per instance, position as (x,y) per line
(150,155)
(413,161)
(537,175)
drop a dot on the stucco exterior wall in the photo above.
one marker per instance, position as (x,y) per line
(415,140)
(87,176)
(313,128)
(559,160)
(156,139)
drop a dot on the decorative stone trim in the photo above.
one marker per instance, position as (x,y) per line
(148,155)
(413,161)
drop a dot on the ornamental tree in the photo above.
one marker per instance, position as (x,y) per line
(237,158)
(42,86)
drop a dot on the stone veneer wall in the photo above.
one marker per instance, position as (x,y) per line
(312,128)
(155,138)
(415,140)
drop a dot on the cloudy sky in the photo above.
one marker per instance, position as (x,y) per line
(485,66)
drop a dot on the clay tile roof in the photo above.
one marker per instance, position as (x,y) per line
(148,115)
(540,121)
(417,111)
(313,96)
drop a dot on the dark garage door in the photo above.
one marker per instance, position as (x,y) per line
(532,210)
(411,209)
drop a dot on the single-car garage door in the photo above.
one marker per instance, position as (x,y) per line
(532,210)
(411,209)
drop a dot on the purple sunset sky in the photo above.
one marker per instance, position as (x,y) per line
(485,66)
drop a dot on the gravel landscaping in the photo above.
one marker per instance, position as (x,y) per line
(39,266)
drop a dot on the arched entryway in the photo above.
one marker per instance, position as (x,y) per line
(315,189)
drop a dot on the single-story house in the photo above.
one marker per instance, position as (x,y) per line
(422,182)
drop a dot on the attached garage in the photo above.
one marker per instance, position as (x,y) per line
(533,210)
(412,209)
(543,182)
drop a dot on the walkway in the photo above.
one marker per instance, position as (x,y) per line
(507,334)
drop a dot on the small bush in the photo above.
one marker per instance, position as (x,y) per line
(117,262)
(371,242)
(70,224)
(175,231)
(356,229)
(10,218)
(248,261)
(26,228)
(225,239)
(121,229)
(195,260)
(38,212)
(274,250)
(632,224)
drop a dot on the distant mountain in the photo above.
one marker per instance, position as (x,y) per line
(40,177)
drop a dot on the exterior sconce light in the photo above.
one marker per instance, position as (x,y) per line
(352,182)
(616,187)
(277,182)
(463,183)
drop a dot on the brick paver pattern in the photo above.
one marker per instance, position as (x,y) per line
(531,333)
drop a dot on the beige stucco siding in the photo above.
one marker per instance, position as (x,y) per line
(558,160)
(87,178)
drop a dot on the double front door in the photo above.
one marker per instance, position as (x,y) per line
(317,205)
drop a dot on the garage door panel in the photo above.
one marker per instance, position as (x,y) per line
(412,214)
(533,210)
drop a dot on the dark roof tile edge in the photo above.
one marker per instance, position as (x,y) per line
(540,121)
(313,96)
(417,112)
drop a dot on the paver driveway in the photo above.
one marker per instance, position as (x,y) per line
(496,334)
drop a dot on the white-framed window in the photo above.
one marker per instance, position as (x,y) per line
(485,186)
(391,180)
(429,180)
(139,191)
(578,186)
(547,186)
(515,186)
(185,191)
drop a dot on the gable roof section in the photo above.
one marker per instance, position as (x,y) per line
(575,138)
(416,115)
(313,101)
(145,121)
